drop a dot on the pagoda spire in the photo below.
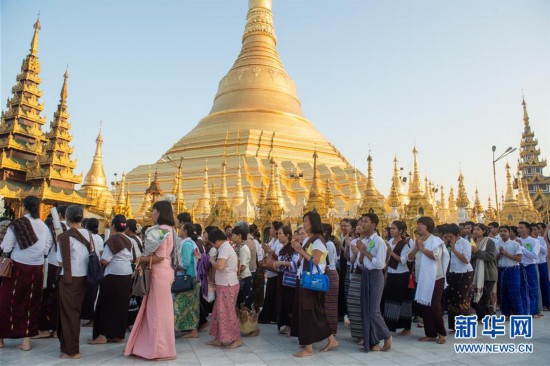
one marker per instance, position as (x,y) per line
(396,189)
(478,206)
(56,165)
(239,197)
(202,207)
(525,114)
(177,190)
(315,201)
(452,201)
(462,200)
(95,178)
(416,182)
(443,212)
(21,135)
(355,195)
(34,42)
(522,200)
(510,195)
(371,199)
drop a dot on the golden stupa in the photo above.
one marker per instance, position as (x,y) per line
(255,132)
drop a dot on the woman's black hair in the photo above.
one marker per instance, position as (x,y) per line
(144,229)
(277,225)
(185,217)
(190,229)
(85,223)
(428,222)
(215,235)
(483,228)
(92,225)
(401,226)
(353,223)
(32,204)
(452,229)
(287,231)
(198,229)
(131,224)
(166,213)
(514,229)
(327,231)
(315,221)
(119,222)
(74,214)
(240,231)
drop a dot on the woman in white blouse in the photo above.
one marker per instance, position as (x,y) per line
(431,278)
(309,320)
(397,297)
(111,313)
(72,256)
(27,241)
(460,275)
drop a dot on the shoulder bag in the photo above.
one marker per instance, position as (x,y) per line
(95,270)
(5,267)
(315,281)
(141,281)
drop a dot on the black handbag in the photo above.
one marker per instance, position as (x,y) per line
(183,283)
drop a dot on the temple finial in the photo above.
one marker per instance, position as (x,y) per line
(34,42)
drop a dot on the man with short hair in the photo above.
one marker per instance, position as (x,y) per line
(529,261)
(509,270)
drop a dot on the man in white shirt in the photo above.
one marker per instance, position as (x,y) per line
(372,257)
(529,260)
(542,268)
(509,259)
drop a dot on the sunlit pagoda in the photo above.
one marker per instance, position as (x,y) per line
(256,119)
(33,162)
(532,166)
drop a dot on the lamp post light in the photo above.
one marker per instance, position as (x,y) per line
(505,153)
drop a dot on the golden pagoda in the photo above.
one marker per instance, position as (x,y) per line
(153,193)
(177,191)
(453,210)
(95,185)
(256,98)
(511,212)
(354,197)
(270,208)
(443,214)
(532,166)
(373,201)
(490,213)
(528,211)
(396,199)
(462,201)
(202,206)
(419,204)
(31,162)
(478,212)
(222,213)
(315,201)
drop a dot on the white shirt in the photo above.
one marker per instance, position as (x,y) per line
(353,260)
(244,260)
(79,255)
(316,245)
(511,247)
(135,246)
(120,264)
(332,255)
(98,244)
(259,251)
(377,247)
(530,251)
(404,257)
(457,266)
(33,255)
(543,250)
(275,246)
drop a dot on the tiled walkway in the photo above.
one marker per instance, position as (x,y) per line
(270,348)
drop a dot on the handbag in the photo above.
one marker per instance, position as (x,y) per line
(182,283)
(290,276)
(141,281)
(5,267)
(95,270)
(315,281)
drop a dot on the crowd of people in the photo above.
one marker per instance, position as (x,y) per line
(173,279)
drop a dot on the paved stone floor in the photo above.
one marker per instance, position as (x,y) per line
(270,348)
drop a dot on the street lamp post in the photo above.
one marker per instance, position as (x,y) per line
(505,153)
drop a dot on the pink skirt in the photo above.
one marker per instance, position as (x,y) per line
(152,336)
(225,325)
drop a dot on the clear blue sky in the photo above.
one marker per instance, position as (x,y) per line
(446,74)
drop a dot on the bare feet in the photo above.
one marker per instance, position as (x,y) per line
(537,316)
(332,343)
(427,339)
(25,344)
(203,326)
(101,339)
(441,340)
(42,334)
(235,344)
(214,342)
(254,333)
(420,325)
(116,340)
(306,352)
(360,341)
(88,324)
(70,357)
(387,344)
(346,321)
(405,332)
(194,334)
(1,343)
